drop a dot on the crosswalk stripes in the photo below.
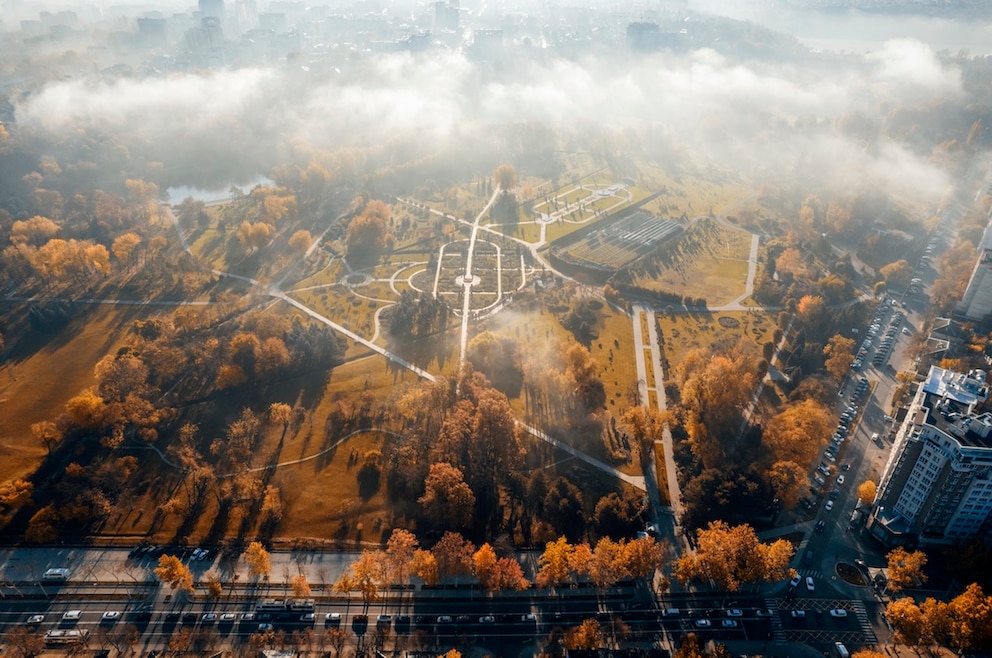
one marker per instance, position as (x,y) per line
(778,631)
(816,573)
(862,616)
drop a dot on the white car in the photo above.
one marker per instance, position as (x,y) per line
(809,583)
(735,612)
(35,619)
(729,623)
(72,615)
(840,479)
(703,623)
(798,613)
(838,612)
(829,506)
(795,581)
(111,615)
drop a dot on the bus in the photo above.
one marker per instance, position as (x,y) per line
(66,636)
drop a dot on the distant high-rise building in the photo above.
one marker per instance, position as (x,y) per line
(206,42)
(937,484)
(246,15)
(151,32)
(446,15)
(211,9)
(976,304)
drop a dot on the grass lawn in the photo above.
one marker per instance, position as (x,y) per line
(683,332)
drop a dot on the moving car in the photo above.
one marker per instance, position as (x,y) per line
(735,612)
(829,506)
(703,623)
(809,583)
(798,613)
(840,479)
(35,619)
(111,615)
(838,612)
(729,623)
(795,581)
(332,619)
(72,615)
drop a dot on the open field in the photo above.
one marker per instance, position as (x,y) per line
(683,332)
(709,260)
(36,388)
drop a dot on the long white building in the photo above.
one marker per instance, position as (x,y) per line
(937,484)
(976,303)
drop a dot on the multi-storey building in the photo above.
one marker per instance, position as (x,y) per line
(937,484)
(976,303)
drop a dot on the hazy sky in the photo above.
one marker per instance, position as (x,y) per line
(751,117)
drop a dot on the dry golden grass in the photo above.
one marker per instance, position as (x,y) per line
(683,332)
(36,388)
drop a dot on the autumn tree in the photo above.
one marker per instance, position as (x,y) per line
(447,499)
(24,642)
(47,433)
(505,177)
(214,587)
(454,554)
(37,230)
(368,574)
(368,233)
(400,547)
(971,619)
(498,574)
(731,557)
(796,433)
(300,586)
(868,653)
(281,413)
(124,248)
(838,353)
(907,622)
(788,479)
(810,310)
(423,565)
(896,274)
(300,241)
(15,493)
(555,563)
(715,390)
(906,569)
(171,570)
(866,492)
(259,563)
(587,636)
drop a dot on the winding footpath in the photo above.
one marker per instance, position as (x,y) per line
(276,292)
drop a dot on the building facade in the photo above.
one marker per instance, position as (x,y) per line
(937,484)
(976,303)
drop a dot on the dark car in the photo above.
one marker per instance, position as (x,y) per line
(402,624)
(359,624)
